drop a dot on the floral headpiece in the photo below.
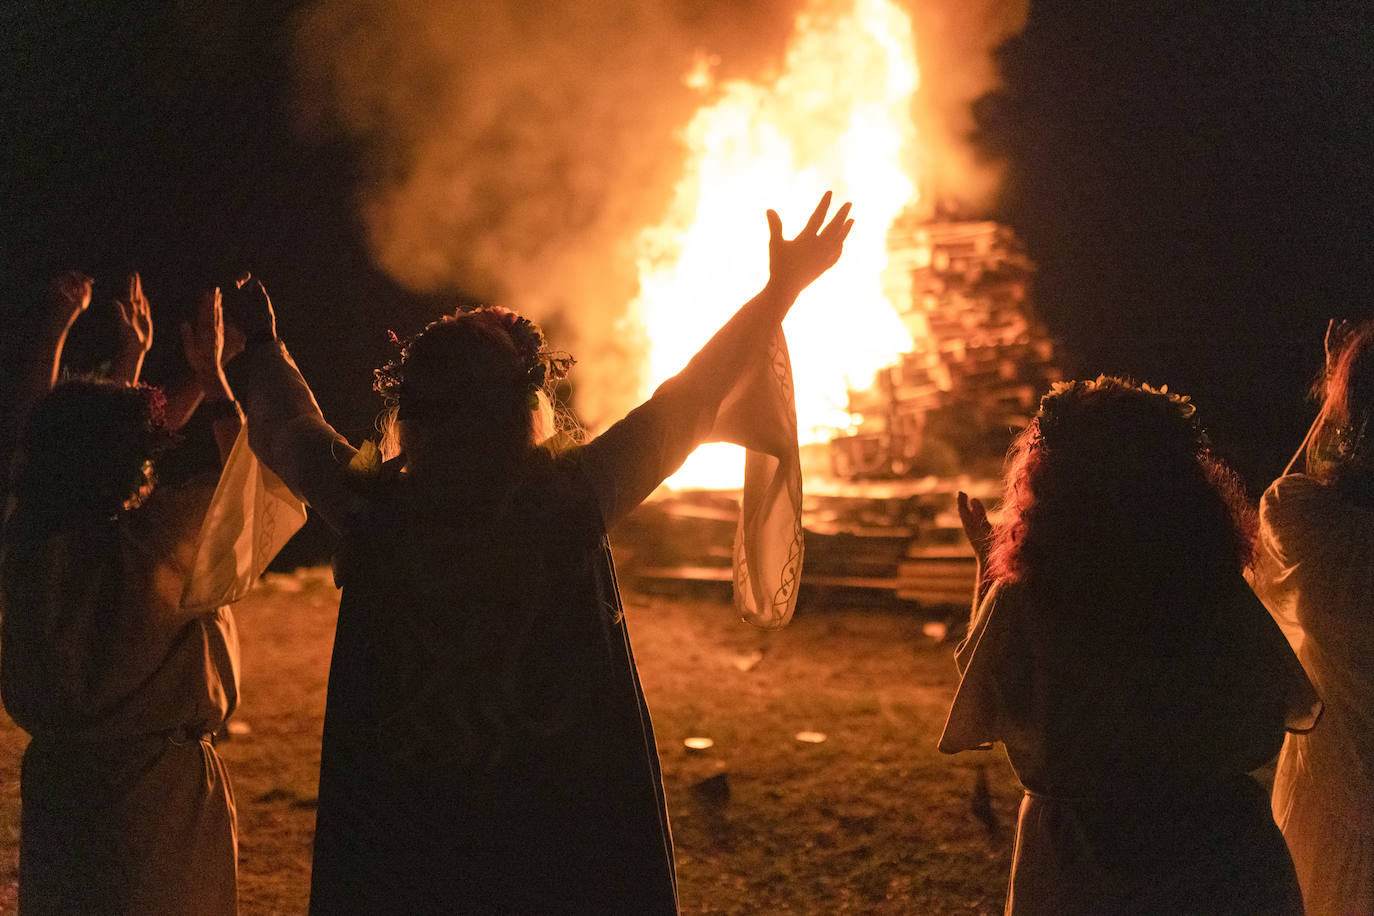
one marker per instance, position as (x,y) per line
(540,366)
(1074,411)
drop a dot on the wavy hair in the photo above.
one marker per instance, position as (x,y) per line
(87,451)
(1112,492)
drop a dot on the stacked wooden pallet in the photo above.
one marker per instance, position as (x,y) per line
(899,542)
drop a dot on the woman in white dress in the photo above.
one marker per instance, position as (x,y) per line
(1315,571)
(119,656)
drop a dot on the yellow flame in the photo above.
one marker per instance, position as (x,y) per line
(838,116)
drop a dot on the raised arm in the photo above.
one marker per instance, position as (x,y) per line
(286,429)
(634,456)
(974,517)
(67,296)
(135,332)
(203,344)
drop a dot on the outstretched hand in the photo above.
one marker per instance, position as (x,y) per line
(794,263)
(135,319)
(977,528)
(203,342)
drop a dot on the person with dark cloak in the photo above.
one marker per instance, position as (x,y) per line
(487,747)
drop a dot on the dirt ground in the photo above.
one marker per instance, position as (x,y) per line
(866,817)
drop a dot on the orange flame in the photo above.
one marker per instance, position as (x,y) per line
(838,116)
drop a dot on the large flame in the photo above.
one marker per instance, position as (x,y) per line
(838,116)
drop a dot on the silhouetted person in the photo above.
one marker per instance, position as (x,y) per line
(487,747)
(1118,653)
(1315,571)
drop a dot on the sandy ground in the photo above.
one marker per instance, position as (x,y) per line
(866,817)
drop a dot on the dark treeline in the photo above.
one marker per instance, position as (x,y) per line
(1195,183)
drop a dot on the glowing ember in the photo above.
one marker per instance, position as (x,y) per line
(838,116)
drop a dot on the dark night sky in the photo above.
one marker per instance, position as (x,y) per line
(1193,180)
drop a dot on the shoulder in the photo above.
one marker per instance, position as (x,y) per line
(1301,506)
(171,518)
(557,486)
(1297,500)
(1296,488)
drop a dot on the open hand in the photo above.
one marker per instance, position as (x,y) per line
(977,528)
(794,263)
(135,319)
(203,341)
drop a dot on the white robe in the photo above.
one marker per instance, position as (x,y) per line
(1315,573)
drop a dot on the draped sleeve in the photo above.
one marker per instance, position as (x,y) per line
(1261,650)
(978,716)
(289,434)
(250,518)
(1225,693)
(726,394)
(1285,520)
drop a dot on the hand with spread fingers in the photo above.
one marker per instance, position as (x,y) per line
(135,331)
(793,264)
(203,344)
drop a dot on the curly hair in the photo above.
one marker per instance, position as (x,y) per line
(87,450)
(1341,448)
(1112,486)
(476,376)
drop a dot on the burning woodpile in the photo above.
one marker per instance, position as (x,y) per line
(913,361)
(879,511)
(979,362)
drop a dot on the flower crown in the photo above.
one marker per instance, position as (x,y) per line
(1067,411)
(540,365)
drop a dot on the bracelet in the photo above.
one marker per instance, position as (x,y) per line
(221,409)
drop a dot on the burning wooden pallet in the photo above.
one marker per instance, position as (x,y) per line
(854,543)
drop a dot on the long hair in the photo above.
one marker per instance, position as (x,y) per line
(1113,496)
(1341,450)
(87,452)
(473,389)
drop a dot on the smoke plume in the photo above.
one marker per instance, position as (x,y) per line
(954,45)
(511,150)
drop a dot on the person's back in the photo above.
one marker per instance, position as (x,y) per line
(486,741)
(1123,661)
(487,746)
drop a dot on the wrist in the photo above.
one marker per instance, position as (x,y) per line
(780,296)
(127,366)
(215,387)
(132,348)
(220,408)
(783,289)
(259,337)
(55,327)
